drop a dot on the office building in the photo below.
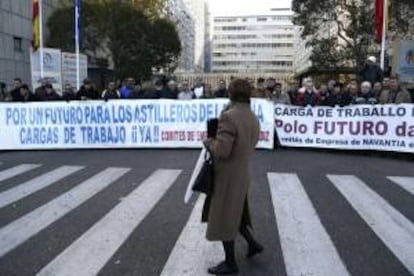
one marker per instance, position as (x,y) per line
(254,43)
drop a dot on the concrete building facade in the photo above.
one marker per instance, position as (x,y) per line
(16,33)
(207,40)
(254,43)
(177,11)
(196,9)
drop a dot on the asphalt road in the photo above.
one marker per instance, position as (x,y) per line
(316,213)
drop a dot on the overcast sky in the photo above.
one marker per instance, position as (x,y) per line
(229,7)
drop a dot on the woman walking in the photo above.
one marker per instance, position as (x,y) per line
(227,211)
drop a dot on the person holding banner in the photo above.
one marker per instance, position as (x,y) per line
(227,212)
(308,95)
(111,92)
(25,95)
(88,91)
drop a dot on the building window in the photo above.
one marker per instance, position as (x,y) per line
(18,47)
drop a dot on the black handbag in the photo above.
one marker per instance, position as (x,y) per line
(212,125)
(204,182)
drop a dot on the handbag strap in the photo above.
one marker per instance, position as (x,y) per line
(208,156)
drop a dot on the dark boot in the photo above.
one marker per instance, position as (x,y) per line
(229,266)
(254,246)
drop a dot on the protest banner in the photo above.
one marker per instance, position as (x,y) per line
(362,127)
(118,124)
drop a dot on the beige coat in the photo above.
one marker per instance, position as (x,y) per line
(403,96)
(237,136)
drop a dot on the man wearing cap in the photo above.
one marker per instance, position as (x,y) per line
(372,72)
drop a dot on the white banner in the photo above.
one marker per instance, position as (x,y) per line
(52,68)
(118,124)
(362,127)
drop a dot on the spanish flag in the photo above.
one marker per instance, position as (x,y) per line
(379,17)
(36,25)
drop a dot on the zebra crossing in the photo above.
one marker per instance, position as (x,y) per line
(306,243)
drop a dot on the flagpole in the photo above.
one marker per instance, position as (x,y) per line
(77,18)
(384,30)
(41,39)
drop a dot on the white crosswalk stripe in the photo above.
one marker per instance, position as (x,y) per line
(406,183)
(88,254)
(18,231)
(12,172)
(307,247)
(394,229)
(192,254)
(36,184)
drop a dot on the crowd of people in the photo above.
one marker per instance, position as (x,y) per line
(333,93)
(373,89)
(129,89)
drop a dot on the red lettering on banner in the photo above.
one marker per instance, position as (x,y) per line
(190,135)
(264,136)
(201,135)
(170,136)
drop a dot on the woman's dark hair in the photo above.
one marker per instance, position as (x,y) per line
(240,91)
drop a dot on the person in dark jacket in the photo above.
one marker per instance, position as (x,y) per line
(87,91)
(171,91)
(4,95)
(345,97)
(15,93)
(138,92)
(111,92)
(325,95)
(208,92)
(340,96)
(40,91)
(153,92)
(25,95)
(372,72)
(221,92)
(50,94)
(148,90)
(410,90)
(68,93)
